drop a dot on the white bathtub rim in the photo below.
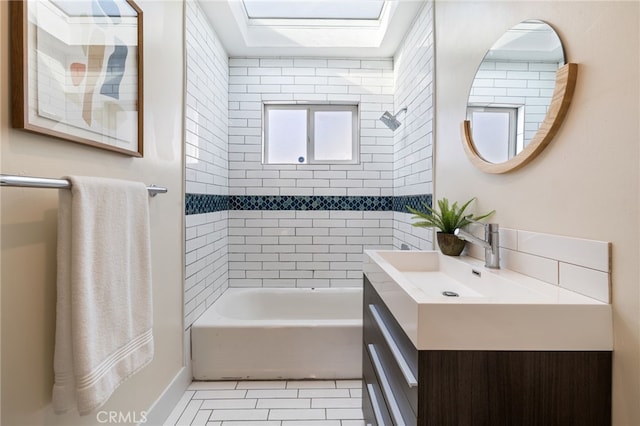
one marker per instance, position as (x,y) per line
(213,317)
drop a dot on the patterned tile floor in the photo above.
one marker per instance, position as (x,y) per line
(270,403)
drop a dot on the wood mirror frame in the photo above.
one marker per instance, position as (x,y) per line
(562,95)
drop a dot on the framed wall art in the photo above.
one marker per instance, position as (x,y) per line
(77,71)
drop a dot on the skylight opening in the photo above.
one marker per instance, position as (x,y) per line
(314,9)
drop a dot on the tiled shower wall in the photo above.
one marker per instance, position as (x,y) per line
(301,248)
(317,247)
(253,81)
(206,159)
(235,235)
(413,141)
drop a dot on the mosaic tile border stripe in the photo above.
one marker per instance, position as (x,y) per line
(205,203)
(293,202)
(401,202)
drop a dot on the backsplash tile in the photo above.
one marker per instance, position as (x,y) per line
(509,238)
(577,264)
(577,251)
(534,266)
(585,281)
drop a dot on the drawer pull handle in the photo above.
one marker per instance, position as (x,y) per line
(386,387)
(393,346)
(377,412)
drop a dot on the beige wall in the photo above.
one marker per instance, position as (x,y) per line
(585,184)
(29,232)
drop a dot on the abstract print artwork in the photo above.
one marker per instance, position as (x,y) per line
(83,64)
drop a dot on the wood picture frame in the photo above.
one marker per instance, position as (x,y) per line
(77,71)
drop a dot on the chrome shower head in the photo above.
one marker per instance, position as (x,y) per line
(391,121)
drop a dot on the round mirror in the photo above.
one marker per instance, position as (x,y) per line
(518,98)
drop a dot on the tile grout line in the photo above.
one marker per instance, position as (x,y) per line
(195,417)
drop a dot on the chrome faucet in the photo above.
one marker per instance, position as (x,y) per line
(490,243)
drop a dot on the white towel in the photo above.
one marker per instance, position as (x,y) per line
(104,307)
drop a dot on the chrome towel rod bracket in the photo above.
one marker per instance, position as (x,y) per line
(38,182)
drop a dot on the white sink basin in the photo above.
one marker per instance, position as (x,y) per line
(455,303)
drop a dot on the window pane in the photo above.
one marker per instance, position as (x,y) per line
(333,134)
(491,135)
(287,137)
(314,9)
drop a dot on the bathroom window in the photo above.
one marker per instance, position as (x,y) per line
(314,9)
(310,134)
(495,131)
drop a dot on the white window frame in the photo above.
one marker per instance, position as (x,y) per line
(311,109)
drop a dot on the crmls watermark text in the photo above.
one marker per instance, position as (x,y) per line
(115,417)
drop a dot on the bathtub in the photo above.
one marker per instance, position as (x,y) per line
(277,333)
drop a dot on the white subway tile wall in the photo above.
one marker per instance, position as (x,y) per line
(303,248)
(404,233)
(206,107)
(413,141)
(254,81)
(206,160)
(206,260)
(291,248)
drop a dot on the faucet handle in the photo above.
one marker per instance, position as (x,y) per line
(476,222)
(492,225)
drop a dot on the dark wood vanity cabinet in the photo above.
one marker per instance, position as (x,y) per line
(404,386)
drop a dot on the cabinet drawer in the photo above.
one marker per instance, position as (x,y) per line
(405,394)
(401,358)
(399,408)
(374,406)
(385,320)
(393,356)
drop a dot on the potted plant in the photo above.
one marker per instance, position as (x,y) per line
(446,218)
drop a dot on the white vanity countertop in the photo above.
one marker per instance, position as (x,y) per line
(495,310)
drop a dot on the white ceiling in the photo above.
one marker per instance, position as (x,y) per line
(242,36)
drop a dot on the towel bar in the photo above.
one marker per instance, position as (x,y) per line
(38,182)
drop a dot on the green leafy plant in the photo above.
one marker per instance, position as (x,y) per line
(447,217)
